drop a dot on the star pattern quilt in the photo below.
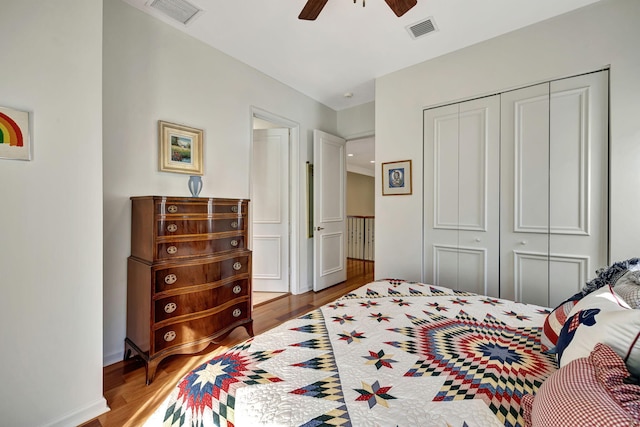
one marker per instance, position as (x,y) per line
(391,353)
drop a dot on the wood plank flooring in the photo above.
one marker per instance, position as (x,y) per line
(132,402)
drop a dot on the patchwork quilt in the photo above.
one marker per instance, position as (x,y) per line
(392,353)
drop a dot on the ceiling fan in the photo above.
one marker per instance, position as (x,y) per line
(313,8)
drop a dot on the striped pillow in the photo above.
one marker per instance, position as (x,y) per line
(553,325)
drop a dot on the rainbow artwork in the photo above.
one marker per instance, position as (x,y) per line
(14,134)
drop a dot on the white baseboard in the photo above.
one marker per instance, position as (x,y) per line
(83,415)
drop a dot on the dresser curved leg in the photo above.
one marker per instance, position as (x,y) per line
(249,328)
(127,351)
(150,369)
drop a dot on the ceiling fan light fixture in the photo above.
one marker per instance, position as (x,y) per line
(312,8)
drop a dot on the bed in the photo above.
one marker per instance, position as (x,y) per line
(391,353)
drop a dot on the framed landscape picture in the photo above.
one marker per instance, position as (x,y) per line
(180,148)
(396,178)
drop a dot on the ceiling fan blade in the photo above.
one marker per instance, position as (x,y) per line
(312,9)
(400,7)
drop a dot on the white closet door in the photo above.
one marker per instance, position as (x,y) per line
(441,196)
(524,244)
(578,214)
(553,188)
(461,158)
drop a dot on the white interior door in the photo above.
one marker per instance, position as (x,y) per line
(329,202)
(524,241)
(270,210)
(461,157)
(578,183)
(554,187)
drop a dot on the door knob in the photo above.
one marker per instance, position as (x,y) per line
(523,242)
(477,239)
(319,228)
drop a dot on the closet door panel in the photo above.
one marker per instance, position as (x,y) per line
(569,162)
(524,183)
(461,152)
(445,170)
(472,165)
(578,214)
(531,274)
(445,265)
(531,162)
(479,196)
(472,274)
(440,238)
(567,276)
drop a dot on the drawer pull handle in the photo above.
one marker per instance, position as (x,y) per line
(237,289)
(237,312)
(234,224)
(170,336)
(237,266)
(172,209)
(171,228)
(171,250)
(234,243)
(170,279)
(170,308)
(234,209)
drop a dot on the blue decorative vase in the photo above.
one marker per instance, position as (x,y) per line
(195,185)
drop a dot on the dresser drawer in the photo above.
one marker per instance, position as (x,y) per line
(193,330)
(207,272)
(186,226)
(204,207)
(172,250)
(179,305)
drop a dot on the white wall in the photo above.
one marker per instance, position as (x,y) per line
(51,215)
(588,39)
(360,195)
(358,121)
(154,72)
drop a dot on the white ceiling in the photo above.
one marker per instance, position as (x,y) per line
(361,156)
(349,46)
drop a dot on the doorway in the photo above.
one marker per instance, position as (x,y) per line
(272,214)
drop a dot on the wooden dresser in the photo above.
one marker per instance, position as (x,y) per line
(189,275)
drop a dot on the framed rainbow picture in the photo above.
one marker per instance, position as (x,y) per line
(14,134)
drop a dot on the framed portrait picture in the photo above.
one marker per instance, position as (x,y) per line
(396,178)
(15,142)
(180,148)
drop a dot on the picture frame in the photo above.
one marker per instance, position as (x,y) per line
(310,200)
(396,178)
(180,148)
(15,139)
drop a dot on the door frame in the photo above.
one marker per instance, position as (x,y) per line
(294,190)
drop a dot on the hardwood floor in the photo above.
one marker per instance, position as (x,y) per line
(132,402)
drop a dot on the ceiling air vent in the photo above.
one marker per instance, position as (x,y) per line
(422,28)
(180,10)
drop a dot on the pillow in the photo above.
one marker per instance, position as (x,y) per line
(589,391)
(553,324)
(609,275)
(603,317)
(628,287)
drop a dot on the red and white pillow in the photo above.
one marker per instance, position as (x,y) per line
(553,325)
(601,317)
(587,392)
